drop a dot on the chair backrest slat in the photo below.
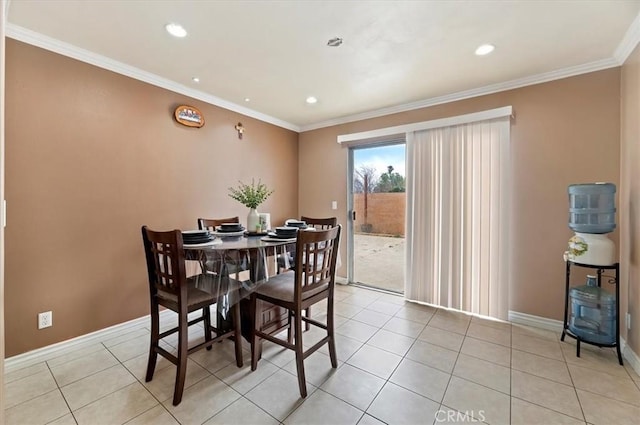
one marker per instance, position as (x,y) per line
(316,255)
(212,223)
(165,260)
(320,223)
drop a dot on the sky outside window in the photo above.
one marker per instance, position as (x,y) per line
(380,158)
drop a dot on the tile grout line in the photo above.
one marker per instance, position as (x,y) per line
(452,375)
(573,384)
(138,381)
(564,361)
(119,389)
(60,388)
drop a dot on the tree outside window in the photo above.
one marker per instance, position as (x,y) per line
(390,182)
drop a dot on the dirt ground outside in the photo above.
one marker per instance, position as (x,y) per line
(379,261)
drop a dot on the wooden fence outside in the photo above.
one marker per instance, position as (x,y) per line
(385,213)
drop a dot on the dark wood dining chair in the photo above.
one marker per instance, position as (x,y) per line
(312,281)
(170,288)
(212,223)
(234,265)
(318,224)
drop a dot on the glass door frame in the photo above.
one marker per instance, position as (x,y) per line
(390,141)
(350,220)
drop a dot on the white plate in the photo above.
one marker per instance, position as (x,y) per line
(228,234)
(198,245)
(275,235)
(272,239)
(194,232)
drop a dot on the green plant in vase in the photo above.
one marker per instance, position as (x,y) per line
(251,196)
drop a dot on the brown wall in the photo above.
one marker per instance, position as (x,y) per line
(84,146)
(2,107)
(385,212)
(92,156)
(630,198)
(565,131)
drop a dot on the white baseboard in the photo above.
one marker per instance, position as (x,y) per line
(631,358)
(50,351)
(45,353)
(341,280)
(535,321)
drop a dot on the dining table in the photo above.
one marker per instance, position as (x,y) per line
(236,266)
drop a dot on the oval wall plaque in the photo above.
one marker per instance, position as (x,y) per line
(189,116)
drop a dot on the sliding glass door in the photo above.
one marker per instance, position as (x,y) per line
(377,216)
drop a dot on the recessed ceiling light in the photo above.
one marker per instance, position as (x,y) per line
(246,99)
(176,30)
(485,49)
(312,100)
(334,42)
(195,79)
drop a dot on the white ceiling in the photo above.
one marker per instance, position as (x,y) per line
(397,55)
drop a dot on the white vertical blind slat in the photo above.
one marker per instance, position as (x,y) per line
(458,217)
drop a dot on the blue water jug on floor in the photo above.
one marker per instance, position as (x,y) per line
(593,313)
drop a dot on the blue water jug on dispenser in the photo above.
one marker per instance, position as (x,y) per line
(592,214)
(592,208)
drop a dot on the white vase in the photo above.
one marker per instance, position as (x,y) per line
(253,221)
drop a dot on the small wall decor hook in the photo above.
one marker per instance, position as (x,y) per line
(240,129)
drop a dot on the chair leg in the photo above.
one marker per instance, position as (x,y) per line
(181,373)
(331,334)
(255,340)
(307,314)
(237,337)
(299,349)
(206,314)
(289,327)
(153,345)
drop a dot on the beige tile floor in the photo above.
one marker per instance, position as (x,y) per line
(399,363)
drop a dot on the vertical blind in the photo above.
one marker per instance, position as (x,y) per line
(458,217)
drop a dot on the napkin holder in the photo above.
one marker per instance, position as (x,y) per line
(265,221)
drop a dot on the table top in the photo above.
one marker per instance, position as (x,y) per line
(240,243)
(226,260)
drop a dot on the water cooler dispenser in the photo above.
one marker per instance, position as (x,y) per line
(594,311)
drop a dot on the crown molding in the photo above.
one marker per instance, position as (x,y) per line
(626,46)
(629,41)
(48,43)
(481,91)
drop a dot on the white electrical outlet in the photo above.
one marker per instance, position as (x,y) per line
(45,319)
(334,205)
(629,321)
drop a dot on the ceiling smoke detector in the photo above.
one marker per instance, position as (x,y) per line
(334,42)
